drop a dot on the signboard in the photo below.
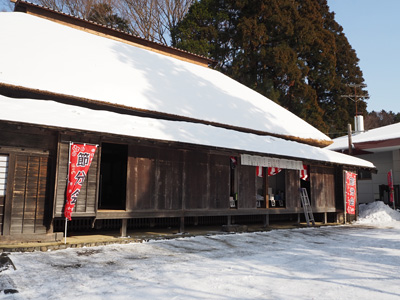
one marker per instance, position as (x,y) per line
(351,193)
(80,158)
(271,162)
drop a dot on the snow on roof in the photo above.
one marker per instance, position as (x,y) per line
(378,134)
(43,55)
(50,113)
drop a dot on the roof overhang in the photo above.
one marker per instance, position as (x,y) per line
(379,146)
(65,116)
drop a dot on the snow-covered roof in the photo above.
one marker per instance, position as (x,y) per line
(371,140)
(58,115)
(46,56)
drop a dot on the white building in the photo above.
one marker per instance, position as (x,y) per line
(381,146)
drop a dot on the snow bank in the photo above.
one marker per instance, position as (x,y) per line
(378,213)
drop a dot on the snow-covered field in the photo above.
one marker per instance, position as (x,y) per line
(361,261)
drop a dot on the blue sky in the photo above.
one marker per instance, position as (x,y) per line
(4,5)
(373,30)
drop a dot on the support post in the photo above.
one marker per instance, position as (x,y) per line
(266,220)
(350,140)
(229,220)
(65,234)
(182,225)
(392,191)
(124,227)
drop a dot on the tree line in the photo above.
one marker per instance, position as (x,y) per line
(375,119)
(291,51)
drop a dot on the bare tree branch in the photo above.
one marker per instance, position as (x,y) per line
(150,19)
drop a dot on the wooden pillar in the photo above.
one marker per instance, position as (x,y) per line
(325,218)
(298,218)
(124,227)
(182,225)
(266,220)
(229,220)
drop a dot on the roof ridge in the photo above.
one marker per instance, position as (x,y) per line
(21,5)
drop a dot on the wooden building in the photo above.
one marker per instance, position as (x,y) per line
(179,143)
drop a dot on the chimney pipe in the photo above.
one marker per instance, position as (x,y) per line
(358,124)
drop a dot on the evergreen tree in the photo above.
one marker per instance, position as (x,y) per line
(103,13)
(292,51)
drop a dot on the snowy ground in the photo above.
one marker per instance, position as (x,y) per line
(361,261)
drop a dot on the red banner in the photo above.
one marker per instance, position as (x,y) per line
(273,171)
(304,173)
(390,184)
(351,193)
(80,158)
(260,171)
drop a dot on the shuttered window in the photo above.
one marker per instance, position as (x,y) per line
(3,185)
(29,195)
(3,174)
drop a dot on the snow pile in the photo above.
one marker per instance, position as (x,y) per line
(377,213)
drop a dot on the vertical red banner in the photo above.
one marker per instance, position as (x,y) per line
(351,193)
(80,158)
(304,173)
(390,184)
(259,171)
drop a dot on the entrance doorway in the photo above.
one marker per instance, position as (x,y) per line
(113,169)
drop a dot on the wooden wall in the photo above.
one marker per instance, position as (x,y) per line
(292,195)
(322,180)
(168,179)
(87,200)
(28,199)
(160,178)
(247,187)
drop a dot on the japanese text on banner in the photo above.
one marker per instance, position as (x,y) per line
(80,158)
(351,193)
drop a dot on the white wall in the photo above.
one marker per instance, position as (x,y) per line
(368,190)
(396,166)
